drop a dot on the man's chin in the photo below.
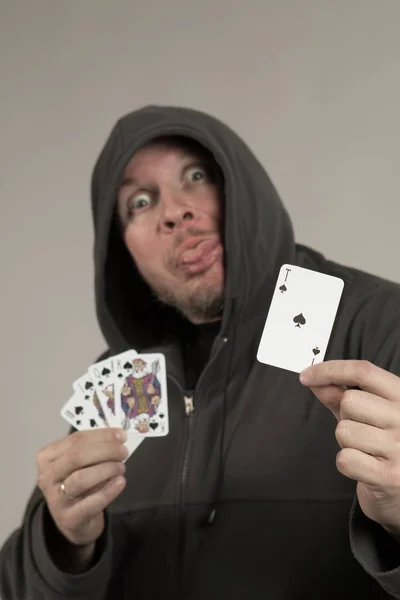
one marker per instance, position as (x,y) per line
(198,297)
(199,304)
(202,309)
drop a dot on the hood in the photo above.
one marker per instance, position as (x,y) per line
(258,231)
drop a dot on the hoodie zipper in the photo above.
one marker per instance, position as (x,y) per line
(189,410)
(188,397)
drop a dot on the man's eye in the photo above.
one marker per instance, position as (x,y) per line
(195,174)
(140,201)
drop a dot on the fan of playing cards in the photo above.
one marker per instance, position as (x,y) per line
(128,390)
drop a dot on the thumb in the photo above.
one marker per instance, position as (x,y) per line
(330,396)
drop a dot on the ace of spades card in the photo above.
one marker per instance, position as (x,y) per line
(300,318)
(105,375)
(142,396)
(80,413)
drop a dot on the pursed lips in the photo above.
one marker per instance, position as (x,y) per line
(195,249)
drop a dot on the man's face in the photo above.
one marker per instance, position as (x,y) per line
(170,207)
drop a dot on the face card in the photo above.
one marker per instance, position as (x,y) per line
(86,388)
(79,413)
(143,396)
(300,319)
(105,375)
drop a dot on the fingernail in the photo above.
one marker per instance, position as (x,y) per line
(305,376)
(121,435)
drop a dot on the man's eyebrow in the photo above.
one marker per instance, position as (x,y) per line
(193,156)
(189,159)
(127,182)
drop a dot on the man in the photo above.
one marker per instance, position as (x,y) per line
(268,485)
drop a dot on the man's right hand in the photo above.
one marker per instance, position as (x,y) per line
(89,464)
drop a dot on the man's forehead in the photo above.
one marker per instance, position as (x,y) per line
(159,150)
(185,148)
(183,144)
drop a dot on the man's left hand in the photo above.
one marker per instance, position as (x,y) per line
(368,431)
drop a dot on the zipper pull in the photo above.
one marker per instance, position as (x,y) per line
(189,405)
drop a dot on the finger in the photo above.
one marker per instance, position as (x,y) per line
(89,507)
(82,456)
(369,409)
(353,373)
(365,438)
(331,396)
(56,449)
(359,466)
(79,483)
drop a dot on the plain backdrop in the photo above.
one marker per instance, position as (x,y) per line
(312,85)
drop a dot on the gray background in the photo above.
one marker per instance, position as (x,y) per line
(312,85)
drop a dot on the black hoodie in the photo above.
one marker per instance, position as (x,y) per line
(242,498)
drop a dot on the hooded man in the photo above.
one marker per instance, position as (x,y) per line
(267,485)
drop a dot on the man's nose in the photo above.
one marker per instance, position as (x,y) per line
(176,212)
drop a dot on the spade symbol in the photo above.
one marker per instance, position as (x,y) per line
(92,423)
(316,350)
(154,425)
(161,416)
(88,385)
(78,410)
(127,365)
(78,422)
(105,372)
(299,320)
(283,288)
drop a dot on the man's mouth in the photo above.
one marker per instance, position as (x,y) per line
(196,255)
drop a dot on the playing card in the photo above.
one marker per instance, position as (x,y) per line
(127,390)
(142,394)
(86,388)
(104,374)
(80,413)
(300,319)
(132,443)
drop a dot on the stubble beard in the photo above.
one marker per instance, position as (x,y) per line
(198,303)
(198,306)
(202,302)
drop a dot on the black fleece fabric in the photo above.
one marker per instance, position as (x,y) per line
(242,498)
